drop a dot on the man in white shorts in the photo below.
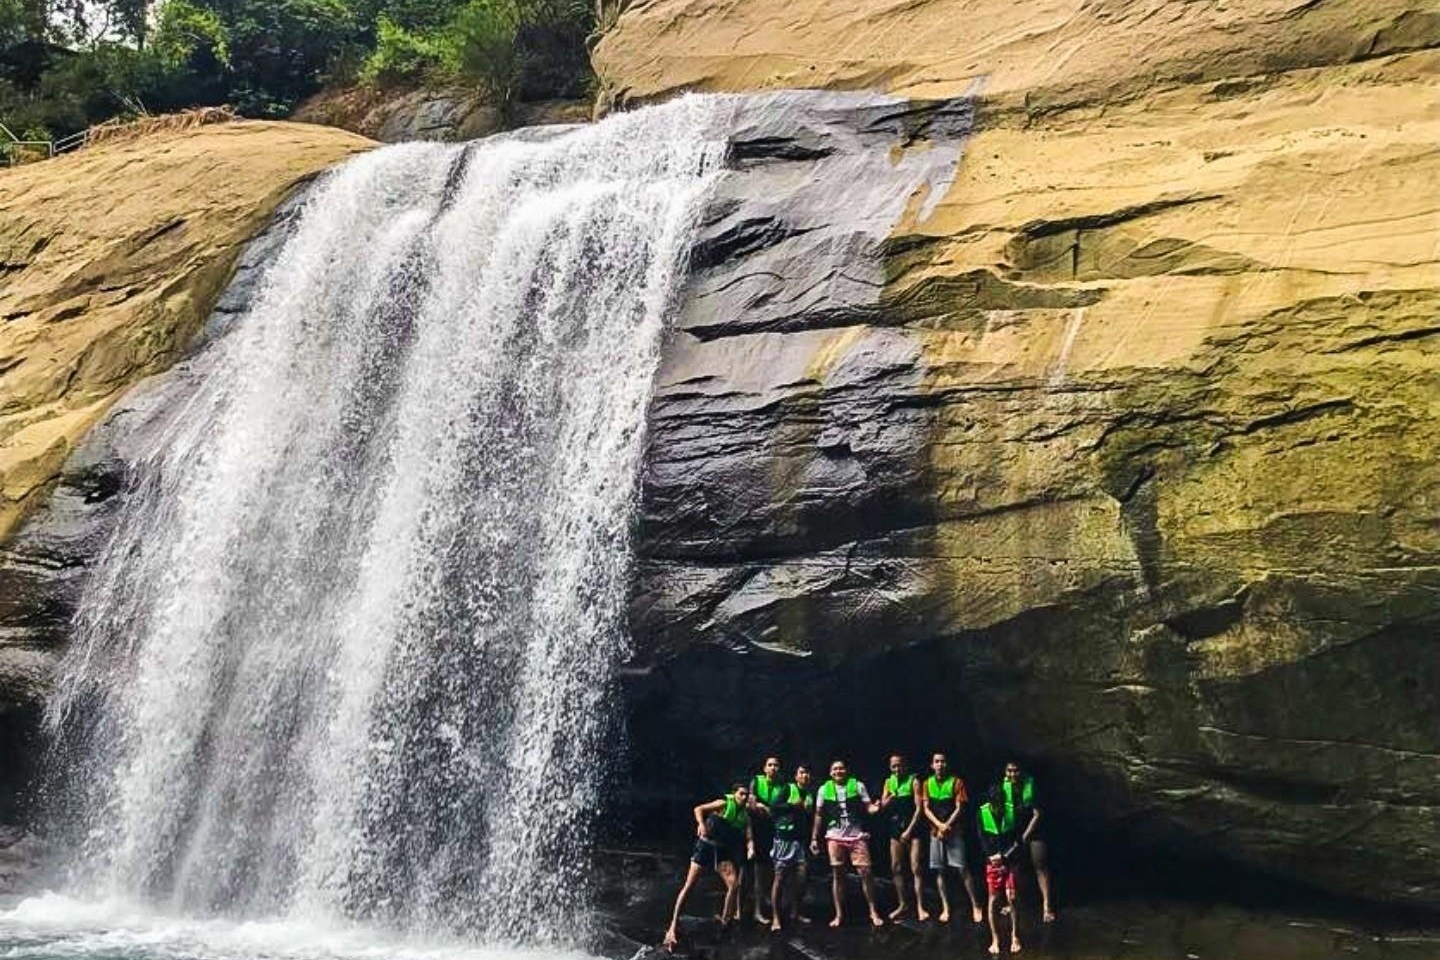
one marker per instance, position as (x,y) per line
(943,799)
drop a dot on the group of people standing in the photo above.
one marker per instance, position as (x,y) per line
(757,833)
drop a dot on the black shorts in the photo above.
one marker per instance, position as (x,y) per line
(711,855)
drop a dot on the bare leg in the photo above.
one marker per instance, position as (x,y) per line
(969,881)
(1042,876)
(777,895)
(917,871)
(1014,922)
(897,874)
(731,876)
(672,935)
(802,879)
(867,884)
(837,891)
(760,885)
(994,924)
(943,887)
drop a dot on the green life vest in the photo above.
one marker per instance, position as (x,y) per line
(988,824)
(765,790)
(735,813)
(900,788)
(938,790)
(1027,796)
(790,810)
(830,798)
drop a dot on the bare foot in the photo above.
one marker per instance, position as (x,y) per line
(922,914)
(944,916)
(670,939)
(836,922)
(1049,916)
(775,925)
(876,920)
(977,915)
(995,947)
(1015,945)
(899,911)
(761,919)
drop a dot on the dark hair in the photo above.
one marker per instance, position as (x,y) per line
(941,754)
(739,785)
(996,795)
(802,766)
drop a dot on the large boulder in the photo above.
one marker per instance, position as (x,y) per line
(1115,451)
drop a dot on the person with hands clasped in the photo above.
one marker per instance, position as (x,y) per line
(723,842)
(943,800)
(840,808)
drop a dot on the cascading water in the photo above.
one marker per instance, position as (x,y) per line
(349,652)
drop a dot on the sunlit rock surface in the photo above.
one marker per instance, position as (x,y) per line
(111,259)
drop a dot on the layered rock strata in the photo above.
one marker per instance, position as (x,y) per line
(1125,466)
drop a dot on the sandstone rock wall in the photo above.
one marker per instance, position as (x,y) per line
(107,275)
(1125,463)
(440,113)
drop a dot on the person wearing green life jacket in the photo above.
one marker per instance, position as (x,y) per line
(943,800)
(1024,812)
(1000,845)
(789,812)
(840,808)
(900,802)
(723,840)
(764,790)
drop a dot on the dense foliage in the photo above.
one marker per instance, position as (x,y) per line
(67,64)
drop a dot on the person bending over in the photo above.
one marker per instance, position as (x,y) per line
(1024,812)
(1001,847)
(900,800)
(764,789)
(723,841)
(944,800)
(840,807)
(789,812)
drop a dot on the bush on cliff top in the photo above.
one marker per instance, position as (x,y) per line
(66,66)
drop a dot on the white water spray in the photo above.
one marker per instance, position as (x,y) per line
(350,652)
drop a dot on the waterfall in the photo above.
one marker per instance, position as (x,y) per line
(350,651)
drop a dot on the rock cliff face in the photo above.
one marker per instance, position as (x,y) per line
(442,114)
(1117,451)
(108,275)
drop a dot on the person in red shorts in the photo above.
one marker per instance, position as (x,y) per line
(1000,846)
